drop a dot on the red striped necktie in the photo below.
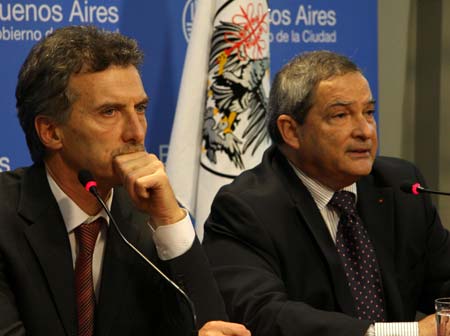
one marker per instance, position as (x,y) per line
(86,235)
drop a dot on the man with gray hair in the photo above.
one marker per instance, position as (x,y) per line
(64,268)
(319,239)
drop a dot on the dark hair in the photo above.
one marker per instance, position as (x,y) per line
(42,87)
(292,91)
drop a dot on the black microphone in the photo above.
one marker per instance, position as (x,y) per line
(87,180)
(415,188)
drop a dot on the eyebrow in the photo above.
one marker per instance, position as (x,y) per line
(145,100)
(119,106)
(347,103)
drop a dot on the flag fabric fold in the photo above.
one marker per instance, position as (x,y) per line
(219,126)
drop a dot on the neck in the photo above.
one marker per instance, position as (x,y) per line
(331,182)
(67,180)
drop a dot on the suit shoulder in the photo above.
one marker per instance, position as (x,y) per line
(11,178)
(262,187)
(10,187)
(250,180)
(392,164)
(394,170)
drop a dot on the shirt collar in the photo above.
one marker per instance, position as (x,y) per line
(72,214)
(319,192)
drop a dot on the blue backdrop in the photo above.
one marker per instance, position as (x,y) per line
(162,29)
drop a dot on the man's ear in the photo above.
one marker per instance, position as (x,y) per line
(289,129)
(48,131)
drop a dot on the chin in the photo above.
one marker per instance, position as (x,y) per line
(361,171)
(362,165)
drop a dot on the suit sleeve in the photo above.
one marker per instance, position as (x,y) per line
(192,272)
(248,271)
(436,256)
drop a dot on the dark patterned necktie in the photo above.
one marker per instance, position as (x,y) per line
(86,235)
(358,256)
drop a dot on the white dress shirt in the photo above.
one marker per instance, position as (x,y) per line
(171,240)
(322,196)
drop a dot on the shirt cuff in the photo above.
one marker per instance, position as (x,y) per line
(370,331)
(173,240)
(397,329)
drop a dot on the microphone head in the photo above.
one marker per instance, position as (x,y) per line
(411,187)
(87,180)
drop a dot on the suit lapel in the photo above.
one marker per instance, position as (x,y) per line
(376,208)
(116,261)
(48,239)
(313,219)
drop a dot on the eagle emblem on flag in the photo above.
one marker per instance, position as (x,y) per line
(236,107)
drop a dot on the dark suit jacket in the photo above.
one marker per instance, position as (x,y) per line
(37,277)
(277,266)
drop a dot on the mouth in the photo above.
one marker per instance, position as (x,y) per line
(360,152)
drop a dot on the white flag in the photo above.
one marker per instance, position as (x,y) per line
(219,127)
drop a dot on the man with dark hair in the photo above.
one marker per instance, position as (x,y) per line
(319,238)
(64,269)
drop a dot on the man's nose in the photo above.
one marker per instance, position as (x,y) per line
(135,127)
(364,127)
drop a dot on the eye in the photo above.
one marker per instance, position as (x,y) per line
(109,112)
(339,115)
(141,108)
(370,114)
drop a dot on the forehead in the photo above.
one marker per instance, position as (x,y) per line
(350,87)
(115,81)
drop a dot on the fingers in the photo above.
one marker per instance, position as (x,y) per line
(427,326)
(221,328)
(140,172)
(444,325)
(127,165)
(144,177)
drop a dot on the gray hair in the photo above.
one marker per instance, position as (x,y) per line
(293,89)
(42,87)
